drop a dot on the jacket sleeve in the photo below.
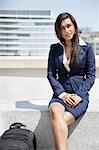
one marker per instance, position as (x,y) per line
(52,73)
(90,73)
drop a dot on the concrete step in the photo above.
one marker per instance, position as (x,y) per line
(83,135)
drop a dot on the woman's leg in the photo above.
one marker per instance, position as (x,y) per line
(59,122)
(59,127)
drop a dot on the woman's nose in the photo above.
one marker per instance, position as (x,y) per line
(66,30)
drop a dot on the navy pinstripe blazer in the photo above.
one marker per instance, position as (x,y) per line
(81,77)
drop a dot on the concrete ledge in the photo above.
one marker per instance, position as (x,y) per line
(83,135)
(15,88)
(28,61)
(23,61)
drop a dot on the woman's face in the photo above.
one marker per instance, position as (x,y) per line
(67,29)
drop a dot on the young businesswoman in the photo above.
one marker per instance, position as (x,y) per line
(71,73)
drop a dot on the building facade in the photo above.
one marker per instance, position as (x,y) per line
(91,37)
(30,33)
(26,32)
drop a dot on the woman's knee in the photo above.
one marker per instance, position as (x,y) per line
(56,110)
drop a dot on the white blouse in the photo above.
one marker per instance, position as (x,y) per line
(66,62)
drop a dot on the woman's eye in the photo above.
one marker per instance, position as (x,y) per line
(69,25)
(62,28)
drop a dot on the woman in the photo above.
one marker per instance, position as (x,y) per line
(71,73)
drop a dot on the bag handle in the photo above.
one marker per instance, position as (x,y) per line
(17,125)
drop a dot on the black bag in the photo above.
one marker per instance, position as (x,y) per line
(17,137)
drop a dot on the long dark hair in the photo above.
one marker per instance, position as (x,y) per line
(75,39)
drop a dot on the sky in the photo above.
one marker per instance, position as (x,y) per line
(86,12)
